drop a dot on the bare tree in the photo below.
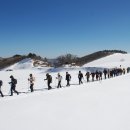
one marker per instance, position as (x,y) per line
(66,59)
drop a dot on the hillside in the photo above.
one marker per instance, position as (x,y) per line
(79,61)
(97,55)
(16,59)
(111,61)
(38,61)
(5,62)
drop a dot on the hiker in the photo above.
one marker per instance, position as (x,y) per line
(108,73)
(80,76)
(13,85)
(128,69)
(49,80)
(68,78)
(31,80)
(111,74)
(93,75)
(1,83)
(124,71)
(105,73)
(59,77)
(87,76)
(100,75)
(97,75)
(115,72)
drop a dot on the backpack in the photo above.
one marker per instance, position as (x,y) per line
(1,82)
(15,81)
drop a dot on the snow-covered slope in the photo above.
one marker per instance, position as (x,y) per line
(114,60)
(28,63)
(101,105)
(24,64)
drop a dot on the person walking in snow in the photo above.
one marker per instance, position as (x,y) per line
(49,80)
(80,77)
(124,71)
(13,85)
(31,80)
(97,75)
(105,73)
(108,73)
(59,77)
(93,75)
(68,78)
(128,69)
(87,76)
(100,75)
(1,83)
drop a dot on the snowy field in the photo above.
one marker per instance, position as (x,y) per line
(99,105)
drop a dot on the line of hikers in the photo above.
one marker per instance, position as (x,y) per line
(108,73)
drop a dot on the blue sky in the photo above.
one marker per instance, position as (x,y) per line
(54,27)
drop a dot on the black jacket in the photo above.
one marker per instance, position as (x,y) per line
(68,77)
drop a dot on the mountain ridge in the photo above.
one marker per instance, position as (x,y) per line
(59,61)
